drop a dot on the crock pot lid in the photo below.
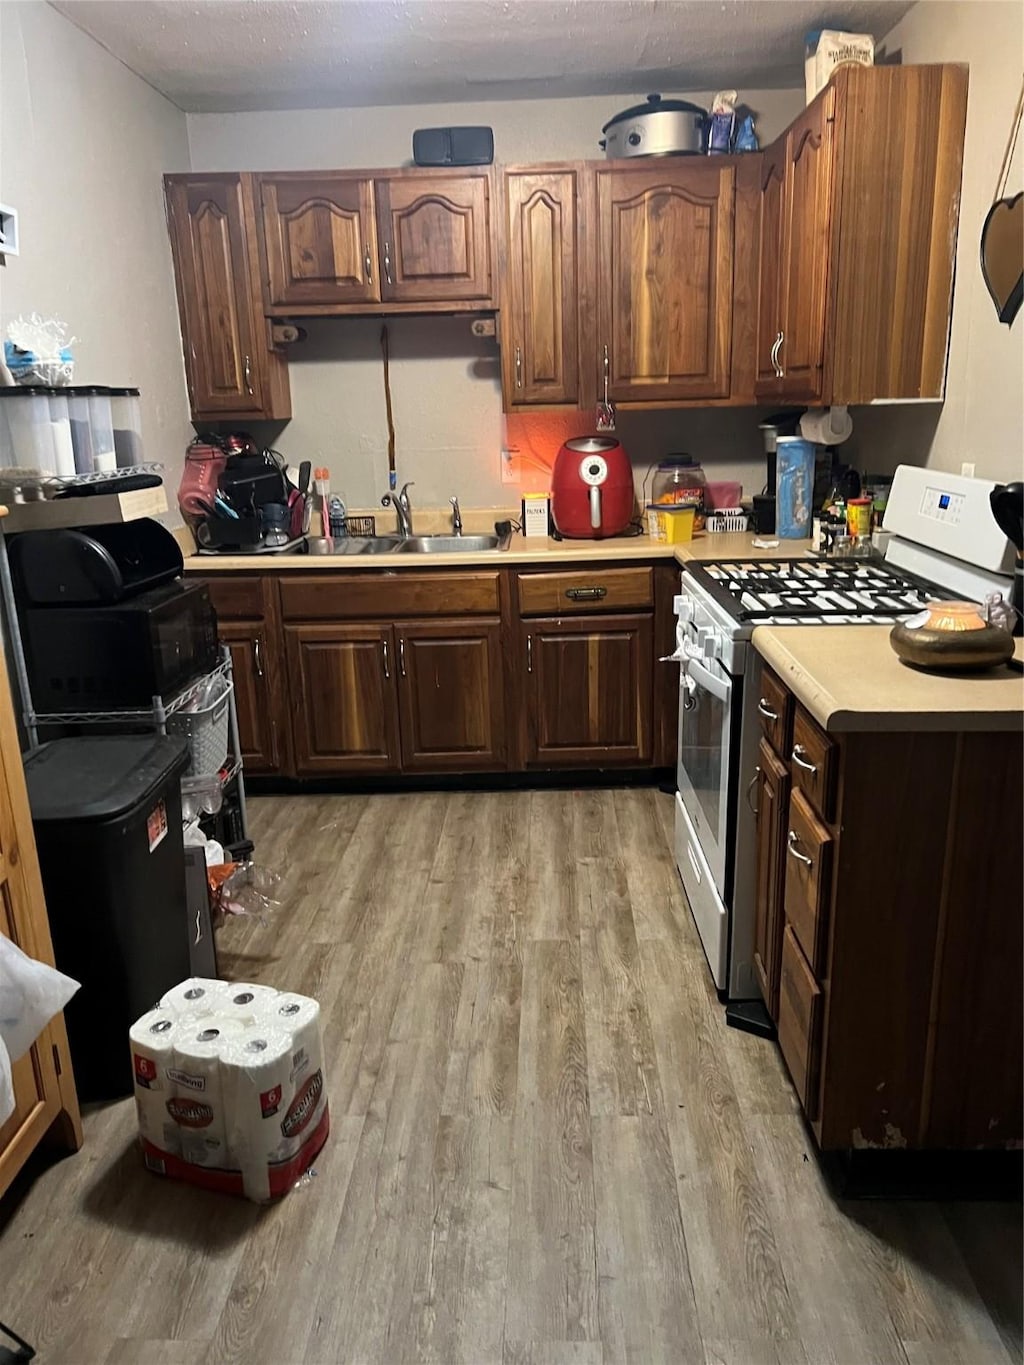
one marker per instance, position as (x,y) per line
(656,105)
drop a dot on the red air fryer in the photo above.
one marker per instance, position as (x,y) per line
(592,488)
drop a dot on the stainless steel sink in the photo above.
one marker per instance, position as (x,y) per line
(446,545)
(366,545)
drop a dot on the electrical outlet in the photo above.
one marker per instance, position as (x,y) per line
(967,469)
(509,466)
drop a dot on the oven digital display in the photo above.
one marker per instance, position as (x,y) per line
(943,501)
(939,505)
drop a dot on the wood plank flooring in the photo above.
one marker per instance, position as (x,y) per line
(546,1146)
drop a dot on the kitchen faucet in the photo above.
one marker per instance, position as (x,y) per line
(403,509)
(456,517)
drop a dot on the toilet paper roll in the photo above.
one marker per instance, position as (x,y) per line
(198,995)
(256,1096)
(247,1000)
(151,1040)
(197,1102)
(299,1016)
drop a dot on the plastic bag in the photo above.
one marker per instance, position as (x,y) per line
(245,889)
(31,993)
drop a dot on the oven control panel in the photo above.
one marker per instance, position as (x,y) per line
(942,505)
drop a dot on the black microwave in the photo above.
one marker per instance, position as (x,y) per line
(118,656)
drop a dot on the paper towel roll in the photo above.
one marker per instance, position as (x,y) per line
(151,1039)
(256,1096)
(198,995)
(299,1015)
(247,1000)
(197,1102)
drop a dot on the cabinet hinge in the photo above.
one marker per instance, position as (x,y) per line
(56,1060)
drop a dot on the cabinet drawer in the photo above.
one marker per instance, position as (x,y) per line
(775,712)
(808,879)
(352,597)
(813,764)
(800,1002)
(549,594)
(236,599)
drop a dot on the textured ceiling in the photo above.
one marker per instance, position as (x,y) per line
(222,55)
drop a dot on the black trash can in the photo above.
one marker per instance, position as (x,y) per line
(107,817)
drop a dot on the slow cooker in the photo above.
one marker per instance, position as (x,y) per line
(657,128)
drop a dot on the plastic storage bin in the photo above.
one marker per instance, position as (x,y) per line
(107,818)
(104,460)
(81,429)
(126,415)
(26,441)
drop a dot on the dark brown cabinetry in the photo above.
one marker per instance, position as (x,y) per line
(231,367)
(451,695)
(344,702)
(588,690)
(435,237)
(857,248)
(319,239)
(664,281)
(540,347)
(889,951)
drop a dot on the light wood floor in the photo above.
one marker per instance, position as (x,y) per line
(547,1148)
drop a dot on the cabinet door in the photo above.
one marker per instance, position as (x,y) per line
(540,360)
(664,282)
(344,706)
(258,696)
(435,238)
(809,174)
(227,361)
(772,276)
(451,695)
(320,240)
(772,805)
(588,690)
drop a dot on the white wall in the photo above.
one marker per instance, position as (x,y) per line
(982,419)
(445,383)
(83,145)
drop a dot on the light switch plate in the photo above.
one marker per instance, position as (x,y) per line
(967,469)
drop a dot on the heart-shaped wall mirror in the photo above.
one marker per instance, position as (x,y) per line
(1002,238)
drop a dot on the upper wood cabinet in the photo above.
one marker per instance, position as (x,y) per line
(366,242)
(539,330)
(435,237)
(664,281)
(231,368)
(865,252)
(320,239)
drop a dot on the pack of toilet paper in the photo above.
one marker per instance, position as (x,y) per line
(229,1086)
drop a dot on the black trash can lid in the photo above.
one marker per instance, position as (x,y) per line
(102,777)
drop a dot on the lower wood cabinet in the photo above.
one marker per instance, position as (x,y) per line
(343,699)
(419,696)
(588,696)
(254,665)
(451,693)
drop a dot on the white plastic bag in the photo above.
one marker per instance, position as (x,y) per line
(30,995)
(6,1086)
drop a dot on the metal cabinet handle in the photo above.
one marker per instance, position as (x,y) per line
(778,361)
(387,659)
(257,656)
(401,656)
(368,263)
(248,375)
(519,367)
(387,263)
(798,750)
(529,653)
(607,368)
(750,787)
(775,355)
(586,594)
(792,839)
(766,710)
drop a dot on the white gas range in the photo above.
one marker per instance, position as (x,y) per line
(943,534)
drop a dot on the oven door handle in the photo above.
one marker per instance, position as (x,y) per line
(720,690)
